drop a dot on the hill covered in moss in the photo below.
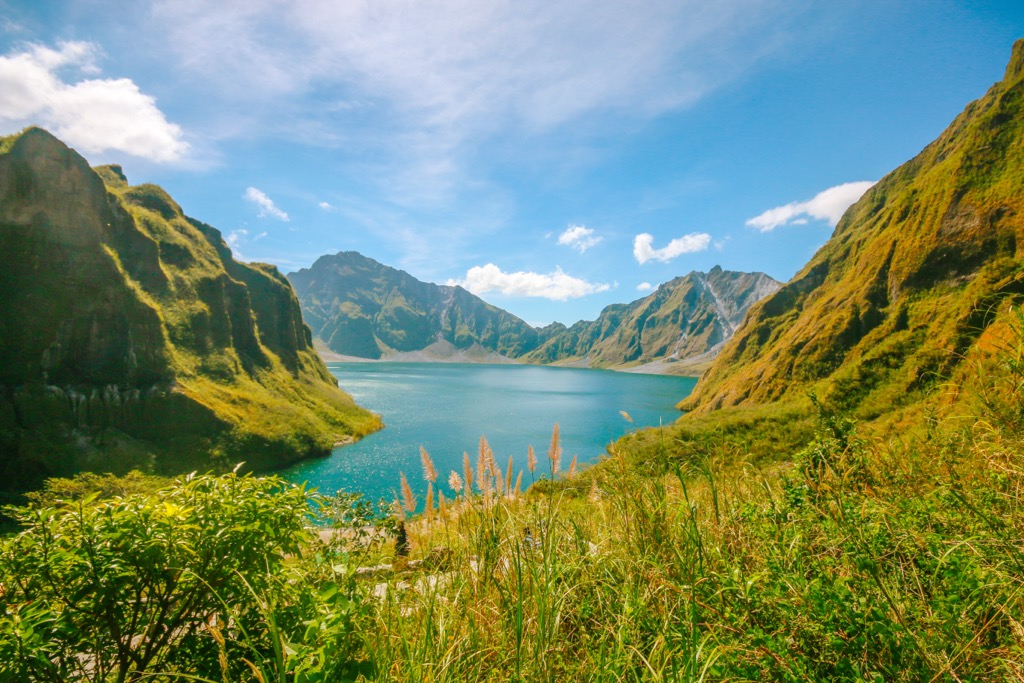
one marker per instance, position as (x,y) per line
(916,278)
(129,336)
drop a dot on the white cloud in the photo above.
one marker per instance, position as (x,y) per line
(579,238)
(93,115)
(557,285)
(687,244)
(326,206)
(265,204)
(236,237)
(828,205)
(236,241)
(644,287)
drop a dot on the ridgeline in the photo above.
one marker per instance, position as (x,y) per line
(129,337)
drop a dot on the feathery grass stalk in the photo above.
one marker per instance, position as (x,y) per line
(429,472)
(555,452)
(508,477)
(408,498)
(455,482)
(483,479)
(467,474)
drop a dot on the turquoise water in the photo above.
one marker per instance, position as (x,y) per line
(446,408)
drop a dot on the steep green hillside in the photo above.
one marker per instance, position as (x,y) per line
(915,273)
(359,307)
(687,319)
(129,336)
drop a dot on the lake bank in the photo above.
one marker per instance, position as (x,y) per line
(436,353)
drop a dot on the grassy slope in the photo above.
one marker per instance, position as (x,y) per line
(915,272)
(279,402)
(182,357)
(860,560)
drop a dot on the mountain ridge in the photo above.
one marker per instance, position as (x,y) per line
(913,278)
(130,337)
(358,307)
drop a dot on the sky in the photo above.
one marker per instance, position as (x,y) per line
(551,157)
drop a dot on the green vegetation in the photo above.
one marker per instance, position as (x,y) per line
(358,307)
(692,553)
(685,319)
(915,273)
(130,338)
(201,578)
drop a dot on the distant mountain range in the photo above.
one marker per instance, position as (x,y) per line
(129,337)
(685,321)
(358,307)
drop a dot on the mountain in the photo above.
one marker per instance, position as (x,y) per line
(130,337)
(359,307)
(909,285)
(687,319)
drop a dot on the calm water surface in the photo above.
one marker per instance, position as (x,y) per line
(446,408)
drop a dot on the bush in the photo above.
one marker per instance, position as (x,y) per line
(201,578)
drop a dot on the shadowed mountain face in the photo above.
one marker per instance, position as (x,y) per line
(129,336)
(359,307)
(914,276)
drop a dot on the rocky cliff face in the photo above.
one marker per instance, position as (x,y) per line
(129,336)
(686,319)
(359,307)
(915,274)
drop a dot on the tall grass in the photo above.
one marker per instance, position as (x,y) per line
(854,558)
(680,558)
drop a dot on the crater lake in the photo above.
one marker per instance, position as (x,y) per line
(446,408)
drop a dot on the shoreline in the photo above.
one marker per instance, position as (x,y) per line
(692,367)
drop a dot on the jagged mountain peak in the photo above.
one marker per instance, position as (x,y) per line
(357,306)
(685,319)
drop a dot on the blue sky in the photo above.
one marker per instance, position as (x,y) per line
(552,157)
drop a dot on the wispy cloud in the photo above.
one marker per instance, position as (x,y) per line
(579,237)
(644,287)
(644,251)
(828,205)
(264,204)
(557,286)
(438,76)
(94,115)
